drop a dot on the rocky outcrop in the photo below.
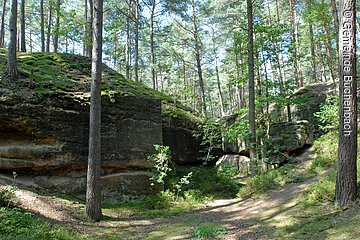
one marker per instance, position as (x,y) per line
(48,137)
(285,138)
(182,134)
(307,101)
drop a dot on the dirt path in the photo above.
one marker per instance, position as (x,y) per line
(252,218)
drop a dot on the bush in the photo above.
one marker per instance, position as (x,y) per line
(7,196)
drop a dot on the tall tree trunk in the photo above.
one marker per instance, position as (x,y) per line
(2,28)
(42,25)
(336,23)
(313,56)
(198,59)
(152,47)
(57,26)
(136,64)
(22,27)
(293,40)
(49,29)
(330,54)
(88,32)
(128,43)
(93,194)
(251,85)
(346,179)
(11,71)
(221,98)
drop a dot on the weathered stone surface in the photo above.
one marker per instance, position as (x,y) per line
(287,137)
(52,135)
(182,134)
(242,163)
(307,102)
(114,187)
(238,145)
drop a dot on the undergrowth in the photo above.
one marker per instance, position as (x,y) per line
(326,153)
(16,224)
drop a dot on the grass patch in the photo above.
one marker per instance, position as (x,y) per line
(208,231)
(16,224)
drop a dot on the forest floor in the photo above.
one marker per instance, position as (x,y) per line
(259,217)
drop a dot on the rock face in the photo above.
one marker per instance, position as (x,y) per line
(241,163)
(182,135)
(50,137)
(53,136)
(287,137)
(44,125)
(307,102)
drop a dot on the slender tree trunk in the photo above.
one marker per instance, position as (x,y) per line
(49,29)
(313,57)
(198,59)
(42,25)
(88,32)
(330,54)
(251,85)
(57,26)
(93,194)
(2,28)
(336,23)
(22,27)
(128,44)
(136,64)
(221,98)
(346,179)
(152,47)
(30,35)
(11,71)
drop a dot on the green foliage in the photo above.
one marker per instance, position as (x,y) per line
(208,231)
(271,179)
(18,225)
(7,196)
(210,139)
(161,161)
(329,113)
(208,182)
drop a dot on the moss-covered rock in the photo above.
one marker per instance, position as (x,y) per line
(44,120)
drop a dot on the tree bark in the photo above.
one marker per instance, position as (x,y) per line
(11,71)
(336,23)
(49,29)
(198,59)
(136,64)
(313,56)
(251,85)
(22,27)
(128,43)
(2,28)
(57,26)
(346,181)
(93,194)
(42,25)
(152,43)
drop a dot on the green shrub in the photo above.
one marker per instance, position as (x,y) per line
(329,113)
(7,196)
(18,225)
(208,231)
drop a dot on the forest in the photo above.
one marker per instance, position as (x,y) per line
(167,119)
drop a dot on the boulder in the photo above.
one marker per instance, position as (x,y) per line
(286,138)
(241,163)
(307,101)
